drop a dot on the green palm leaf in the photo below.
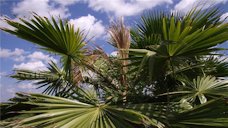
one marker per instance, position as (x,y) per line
(60,112)
(54,36)
(145,61)
(216,66)
(148,32)
(209,115)
(202,88)
(55,80)
(179,39)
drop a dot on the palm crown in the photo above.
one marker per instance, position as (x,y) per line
(166,74)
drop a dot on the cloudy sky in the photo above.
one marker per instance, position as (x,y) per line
(93,16)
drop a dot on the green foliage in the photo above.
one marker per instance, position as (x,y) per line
(169,54)
(54,36)
(59,112)
(209,115)
(55,79)
(181,39)
(216,66)
(202,88)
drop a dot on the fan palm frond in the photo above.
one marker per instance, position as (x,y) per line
(55,79)
(202,89)
(178,40)
(216,66)
(209,115)
(54,36)
(60,112)
(148,32)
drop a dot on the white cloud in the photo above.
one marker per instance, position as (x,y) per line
(185,5)
(19,58)
(224,17)
(66,2)
(16,55)
(90,25)
(125,8)
(20,55)
(41,7)
(21,87)
(41,56)
(5,53)
(26,86)
(114,53)
(58,7)
(35,66)
(35,61)
(11,90)
(46,8)
(2,74)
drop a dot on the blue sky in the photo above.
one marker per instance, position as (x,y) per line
(93,16)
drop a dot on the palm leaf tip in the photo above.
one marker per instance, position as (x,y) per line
(120,35)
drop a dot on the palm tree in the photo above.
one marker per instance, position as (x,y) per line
(163,56)
(120,38)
